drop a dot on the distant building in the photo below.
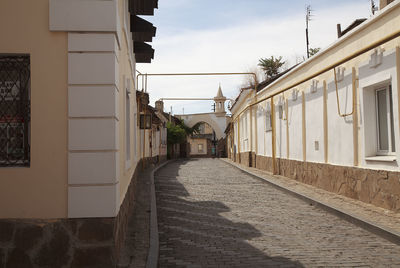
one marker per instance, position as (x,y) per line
(212,126)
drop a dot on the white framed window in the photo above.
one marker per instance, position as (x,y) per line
(200,148)
(384,121)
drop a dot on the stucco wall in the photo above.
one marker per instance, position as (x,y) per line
(39,191)
(314,125)
(340,129)
(295,128)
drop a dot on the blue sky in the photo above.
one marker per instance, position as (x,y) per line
(230,36)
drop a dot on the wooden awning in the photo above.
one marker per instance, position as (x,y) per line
(142,30)
(144,53)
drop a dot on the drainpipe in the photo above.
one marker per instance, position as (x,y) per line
(274,171)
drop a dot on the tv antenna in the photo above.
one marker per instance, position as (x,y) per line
(308,19)
(374,8)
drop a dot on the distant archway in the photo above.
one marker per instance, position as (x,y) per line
(218,123)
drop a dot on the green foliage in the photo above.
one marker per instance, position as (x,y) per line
(271,65)
(177,133)
(313,51)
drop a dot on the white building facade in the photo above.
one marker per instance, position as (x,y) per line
(332,121)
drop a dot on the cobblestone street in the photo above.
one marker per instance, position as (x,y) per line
(210,214)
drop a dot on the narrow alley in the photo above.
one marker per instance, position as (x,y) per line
(211,214)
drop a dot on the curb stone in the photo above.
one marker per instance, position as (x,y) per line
(152,257)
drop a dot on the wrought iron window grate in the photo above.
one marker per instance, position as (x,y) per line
(14,110)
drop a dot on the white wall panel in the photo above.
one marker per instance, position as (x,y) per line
(93,101)
(93,168)
(93,201)
(295,129)
(92,42)
(92,68)
(340,129)
(93,134)
(280,134)
(74,15)
(315,126)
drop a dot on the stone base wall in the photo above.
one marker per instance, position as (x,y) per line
(264,163)
(253,160)
(377,187)
(86,242)
(245,159)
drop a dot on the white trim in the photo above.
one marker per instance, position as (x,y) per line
(381,158)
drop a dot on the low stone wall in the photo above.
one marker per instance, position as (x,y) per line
(377,187)
(87,242)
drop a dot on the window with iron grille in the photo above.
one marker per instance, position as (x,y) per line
(14,110)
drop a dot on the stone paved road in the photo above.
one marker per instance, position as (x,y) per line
(211,214)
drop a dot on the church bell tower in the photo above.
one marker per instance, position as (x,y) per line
(220,103)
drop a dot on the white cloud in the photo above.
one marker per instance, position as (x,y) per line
(236,49)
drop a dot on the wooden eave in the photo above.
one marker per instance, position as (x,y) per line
(144,53)
(142,30)
(143,7)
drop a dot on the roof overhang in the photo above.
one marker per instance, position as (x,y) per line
(143,7)
(142,30)
(144,53)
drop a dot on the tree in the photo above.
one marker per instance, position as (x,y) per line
(313,51)
(271,65)
(177,134)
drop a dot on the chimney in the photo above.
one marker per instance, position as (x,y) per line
(339,30)
(160,106)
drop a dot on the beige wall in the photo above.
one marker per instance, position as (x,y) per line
(39,191)
(194,146)
(126,70)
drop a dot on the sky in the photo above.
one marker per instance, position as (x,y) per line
(231,36)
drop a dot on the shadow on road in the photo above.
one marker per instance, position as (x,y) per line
(195,233)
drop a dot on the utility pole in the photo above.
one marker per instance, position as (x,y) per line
(308,18)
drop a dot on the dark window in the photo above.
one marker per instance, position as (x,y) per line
(145,121)
(14,110)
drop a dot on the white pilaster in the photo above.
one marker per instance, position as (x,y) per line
(93,104)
